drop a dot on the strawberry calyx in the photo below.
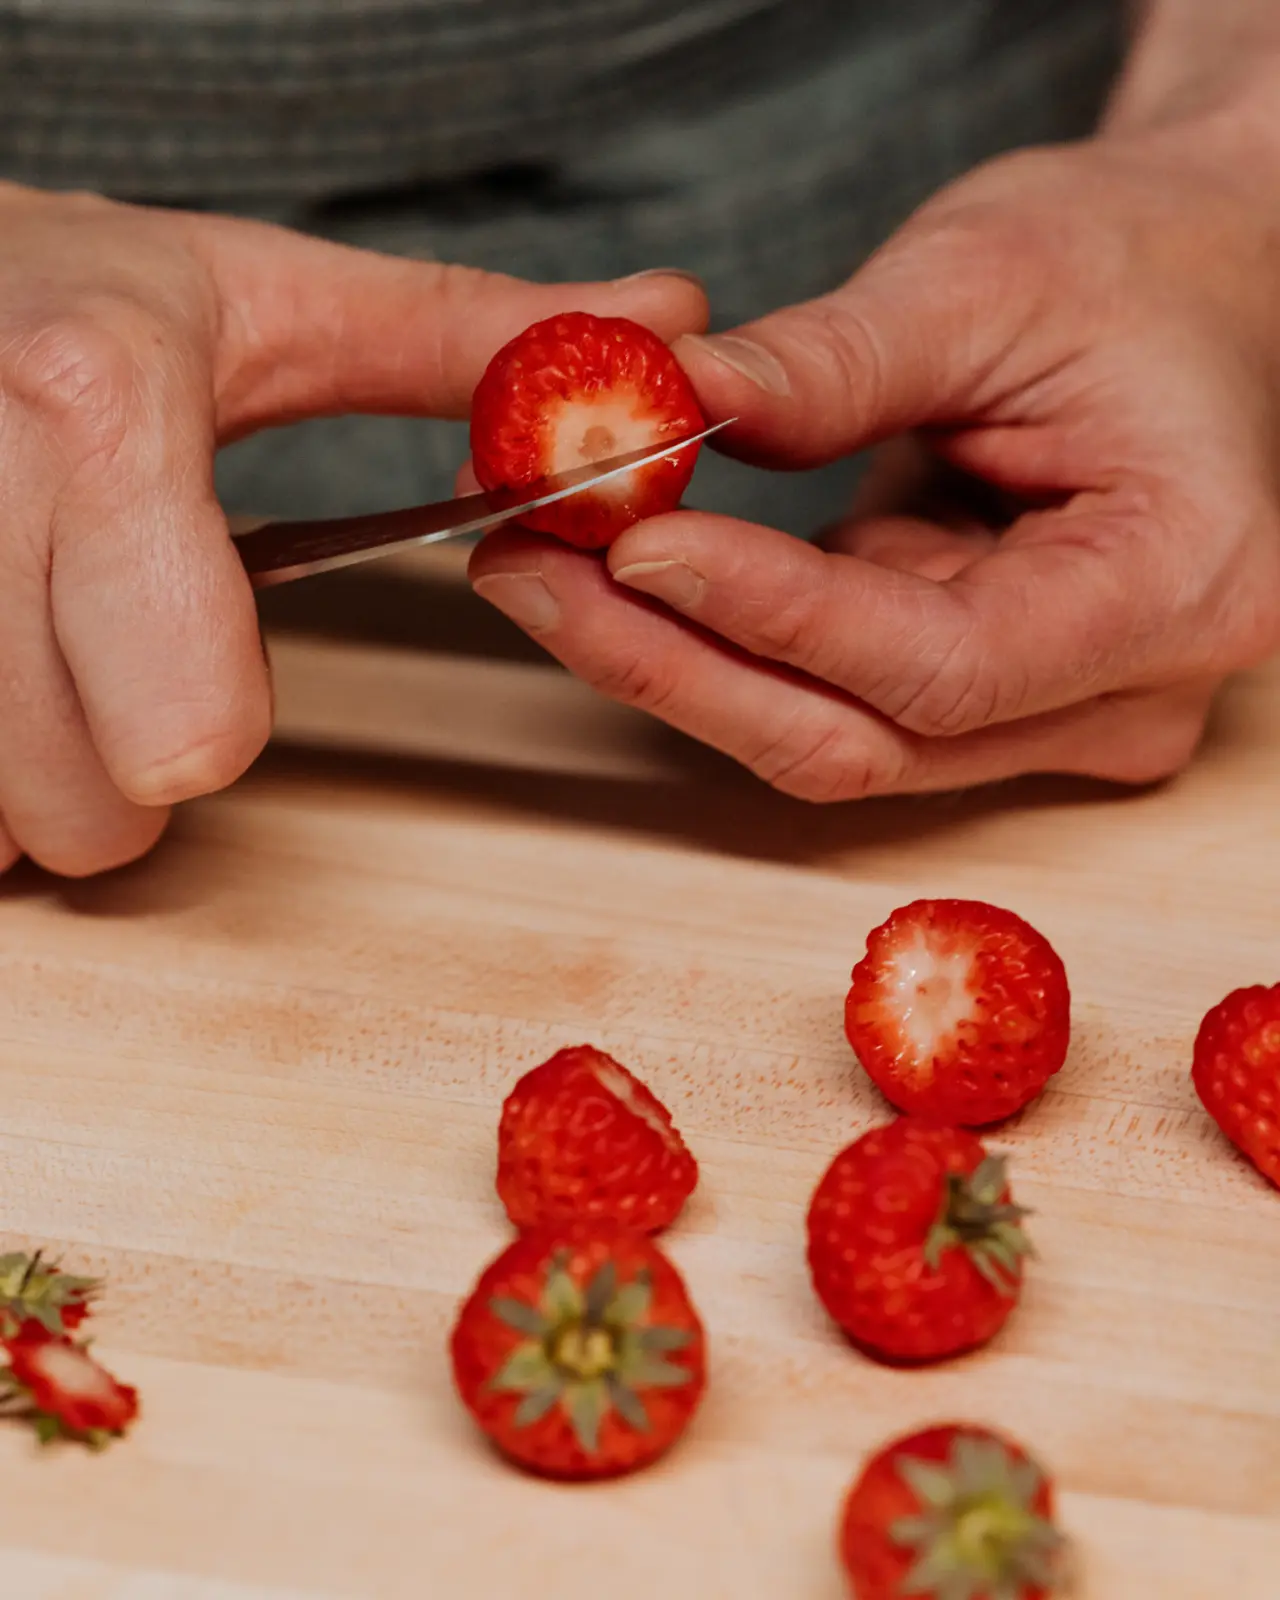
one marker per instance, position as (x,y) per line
(977,1218)
(978,1535)
(33,1290)
(589,1350)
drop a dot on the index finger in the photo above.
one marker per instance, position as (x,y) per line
(311,328)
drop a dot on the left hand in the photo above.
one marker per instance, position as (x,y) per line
(1085,343)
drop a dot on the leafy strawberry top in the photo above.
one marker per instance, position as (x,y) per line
(979,1533)
(978,1217)
(590,1350)
(32,1290)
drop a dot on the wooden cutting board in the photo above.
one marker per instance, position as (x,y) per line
(255,1083)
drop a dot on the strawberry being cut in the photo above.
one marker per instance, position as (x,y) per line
(916,1248)
(580,1136)
(1236,1072)
(952,1513)
(579,1352)
(59,1386)
(959,1011)
(36,1290)
(574,390)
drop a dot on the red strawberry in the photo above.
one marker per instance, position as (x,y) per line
(578,389)
(580,1136)
(1236,1071)
(65,1391)
(959,1011)
(36,1290)
(579,1353)
(915,1245)
(952,1513)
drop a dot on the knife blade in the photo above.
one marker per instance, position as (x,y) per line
(279,552)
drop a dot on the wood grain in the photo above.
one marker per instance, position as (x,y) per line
(255,1082)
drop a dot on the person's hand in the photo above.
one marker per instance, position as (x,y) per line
(133,343)
(1086,342)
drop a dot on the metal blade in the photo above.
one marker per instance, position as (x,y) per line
(279,552)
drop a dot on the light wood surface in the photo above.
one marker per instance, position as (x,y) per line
(255,1082)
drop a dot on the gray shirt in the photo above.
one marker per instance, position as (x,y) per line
(766,144)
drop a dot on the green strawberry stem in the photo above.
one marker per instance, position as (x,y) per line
(978,1535)
(590,1351)
(975,1218)
(32,1290)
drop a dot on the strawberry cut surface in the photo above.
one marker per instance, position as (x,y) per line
(64,1391)
(574,390)
(959,1011)
(581,1136)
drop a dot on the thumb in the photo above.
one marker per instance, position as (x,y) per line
(929,332)
(310,328)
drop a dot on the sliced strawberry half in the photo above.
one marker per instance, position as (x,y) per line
(63,1389)
(959,1011)
(574,390)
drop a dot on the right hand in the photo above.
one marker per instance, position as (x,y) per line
(132,344)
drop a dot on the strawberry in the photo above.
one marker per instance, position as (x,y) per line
(959,1011)
(915,1246)
(952,1513)
(573,390)
(33,1289)
(580,1136)
(64,1391)
(579,1353)
(1236,1072)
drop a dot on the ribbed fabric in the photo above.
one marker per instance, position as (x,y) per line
(768,145)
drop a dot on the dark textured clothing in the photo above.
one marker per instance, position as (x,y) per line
(767,145)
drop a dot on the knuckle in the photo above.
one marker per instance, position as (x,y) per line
(633,681)
(788,632)
(852,358)
(959,693)
(81,372)
(819,765)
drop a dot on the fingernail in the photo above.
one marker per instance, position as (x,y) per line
(169,782)
(750,360)
(522,596)
(671,581)
(661,272)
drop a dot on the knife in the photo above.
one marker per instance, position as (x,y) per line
(279,552)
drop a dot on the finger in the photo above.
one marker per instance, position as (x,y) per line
(151,607)
(913,513)
(60,806)
(1068,606)
(907,544)
(311,328)
(922,335)
(798,735)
